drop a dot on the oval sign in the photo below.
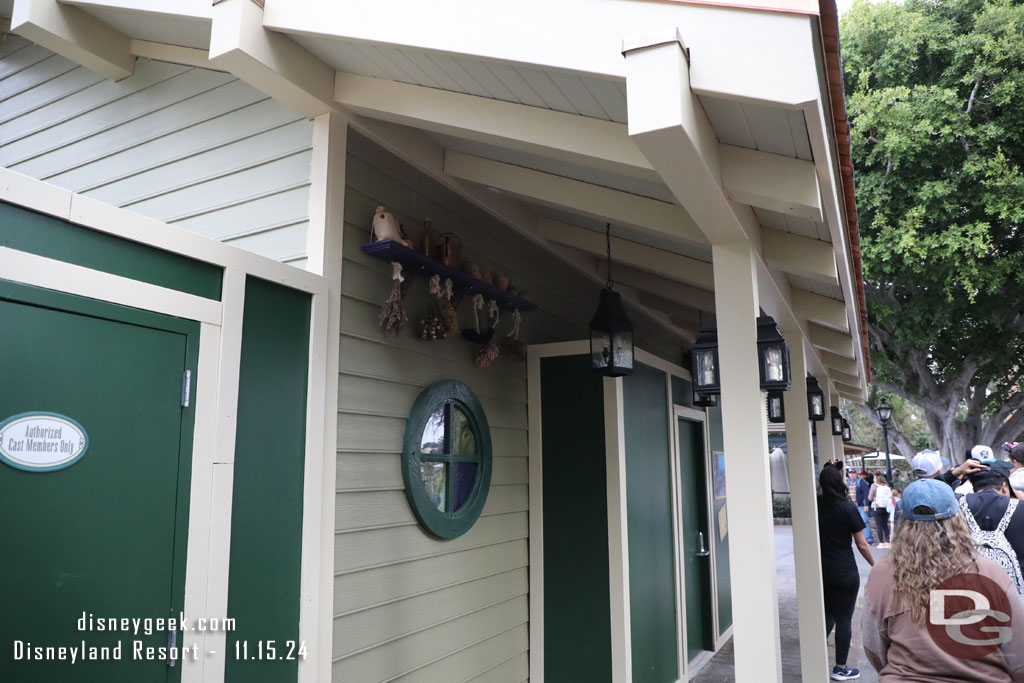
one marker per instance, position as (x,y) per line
(41,442)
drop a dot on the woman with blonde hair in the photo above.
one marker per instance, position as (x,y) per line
(924,617)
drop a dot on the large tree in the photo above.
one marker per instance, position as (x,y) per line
(935,97)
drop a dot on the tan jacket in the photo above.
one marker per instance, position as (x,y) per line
(904,652)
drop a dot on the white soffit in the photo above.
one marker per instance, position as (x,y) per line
(653,188)
(756,126)
(816,230)
(586,95)
(157,27)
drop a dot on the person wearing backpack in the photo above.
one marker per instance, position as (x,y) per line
(996,525)
(880,504)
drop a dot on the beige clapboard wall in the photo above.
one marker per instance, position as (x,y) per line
(192,147)
(408,607)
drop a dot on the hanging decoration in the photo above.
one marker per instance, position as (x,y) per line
(392,314)
(489,352)
(432,326)
(515,348)
(448,314)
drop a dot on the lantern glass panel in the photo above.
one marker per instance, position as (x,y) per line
(884,412)
(817,406)
(837,422)
(773,363)
(600,349)
(776,407)
(707,372)
(847,432)
(623,345)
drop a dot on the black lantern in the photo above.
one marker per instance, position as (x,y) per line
(884,411)
(705,400)
(847,432)
(611,333)
(815,400)
(704,362)
(776,407)
(837,422)
(772,356)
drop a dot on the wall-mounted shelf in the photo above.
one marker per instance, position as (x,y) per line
(415,262)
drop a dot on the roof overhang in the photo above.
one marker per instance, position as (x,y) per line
(531,111)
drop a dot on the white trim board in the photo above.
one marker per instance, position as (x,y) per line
(21,190)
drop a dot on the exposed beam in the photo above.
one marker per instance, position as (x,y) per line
(661,287)
(176,54)
(819,309)
(799,255)
(567,137)
(668,123)
(658,261)
(75,35)
(270,62)
(840,376)
(682,315)
(191,9)
(855,394)
(840,363)
(590,200)
(830,340)
(771,181)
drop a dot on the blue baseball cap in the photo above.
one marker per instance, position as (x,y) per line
(930,493)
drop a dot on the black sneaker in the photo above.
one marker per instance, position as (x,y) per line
(840,673)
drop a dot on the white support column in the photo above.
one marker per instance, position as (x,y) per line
(744,423)
(803,495)
(324,247)
(618,532)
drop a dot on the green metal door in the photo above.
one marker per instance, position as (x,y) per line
(104,537)
(696,540)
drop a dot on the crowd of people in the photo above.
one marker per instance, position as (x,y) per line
(945,603)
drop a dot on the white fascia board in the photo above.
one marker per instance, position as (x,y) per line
(820,309)
(799,255)
(582,36)
(595,201)
(668,124)
(74,35)
(192,9)
(771,181)
(658,261)
(268,61)
(568,137)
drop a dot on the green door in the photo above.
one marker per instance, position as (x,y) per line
(696,539)
(105,536)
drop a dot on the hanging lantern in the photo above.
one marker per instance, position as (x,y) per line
(611,333)
(776,407)
(704,362)
(847,432)
(772,356)
(705,400)
(815,400)
(837,422)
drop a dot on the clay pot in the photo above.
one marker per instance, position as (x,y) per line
(486,275)
(428,237)
(501,281)
(471,269)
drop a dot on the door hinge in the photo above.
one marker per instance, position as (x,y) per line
(186,388)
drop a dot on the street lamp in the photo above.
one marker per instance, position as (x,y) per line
(884,411)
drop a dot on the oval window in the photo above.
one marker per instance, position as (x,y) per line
(446,460)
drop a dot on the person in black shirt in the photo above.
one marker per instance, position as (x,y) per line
(839,526)
(988,505)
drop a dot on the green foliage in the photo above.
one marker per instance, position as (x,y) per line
(935,97)
(781,507)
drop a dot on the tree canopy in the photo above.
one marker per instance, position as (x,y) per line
(935,98)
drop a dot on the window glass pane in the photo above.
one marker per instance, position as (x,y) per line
(433,434)
(463,441)
(463,476)
(433,481)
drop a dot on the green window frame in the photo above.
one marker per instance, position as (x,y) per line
(447,438)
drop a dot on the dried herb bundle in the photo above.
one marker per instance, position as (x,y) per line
(392,314)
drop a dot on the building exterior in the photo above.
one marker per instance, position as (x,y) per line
(187,189)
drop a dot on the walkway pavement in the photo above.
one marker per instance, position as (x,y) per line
(720,669)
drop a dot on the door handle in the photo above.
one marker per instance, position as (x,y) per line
(702,550)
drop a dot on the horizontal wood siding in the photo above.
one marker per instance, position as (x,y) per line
(192,147)
(409,607)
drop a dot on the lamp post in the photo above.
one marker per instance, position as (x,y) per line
(884,411)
